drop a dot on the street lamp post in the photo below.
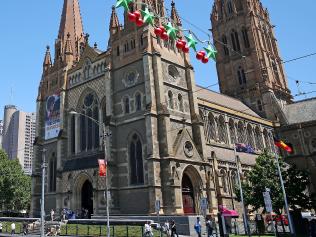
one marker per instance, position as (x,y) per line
(107,194)
(247,231)
(43,194)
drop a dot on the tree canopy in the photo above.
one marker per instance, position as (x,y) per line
(265,175)
(15,186)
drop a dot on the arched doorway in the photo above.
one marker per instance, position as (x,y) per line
(187,195)
(87,199)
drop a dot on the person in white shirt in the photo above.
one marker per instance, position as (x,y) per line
(13,228)
(52,213)
(0,227)
(148,231)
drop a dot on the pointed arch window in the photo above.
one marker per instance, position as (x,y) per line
(73,133)
(52,174)
(225,48)
(180,101)
(211,136)
(232,131)
(89,130)
(275,71)
(170,100)
(138,102)
(235,40)
(267,140)
(222,130)
(230,7)
(244,32)
(258,139)
(250,136)
(126,105)
(241,133)
(241,76)
(136,161)
(259,104)
(224,181)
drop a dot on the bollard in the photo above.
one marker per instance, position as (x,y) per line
(100,230)
(113,230)
(88,229)
(76,229)
(142,231)
(127,231)
(66,229)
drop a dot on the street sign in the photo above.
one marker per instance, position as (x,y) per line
(267,201)
(157,206)
(203,204)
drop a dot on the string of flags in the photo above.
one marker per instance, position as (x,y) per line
(168,31)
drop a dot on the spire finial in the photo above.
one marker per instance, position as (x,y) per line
(174,14)
(114,22)
(70,24)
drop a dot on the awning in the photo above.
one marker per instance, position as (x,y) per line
(230,213)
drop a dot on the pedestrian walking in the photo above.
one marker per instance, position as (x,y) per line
(0,227)
(25,228)
(209,226)
(174,229)
(148,231)
(166,228)
(52,213)
(198,227)
(13,228)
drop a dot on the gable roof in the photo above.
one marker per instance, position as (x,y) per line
(223,100)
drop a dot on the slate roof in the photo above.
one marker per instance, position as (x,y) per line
(224,100)
(301,111)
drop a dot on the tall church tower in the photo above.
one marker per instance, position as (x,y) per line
(69,46)
(249,65)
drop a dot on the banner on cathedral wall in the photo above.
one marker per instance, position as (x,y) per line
(52,116)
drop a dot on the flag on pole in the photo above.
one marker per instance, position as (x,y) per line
(242,147)
(102,167)
(284,146)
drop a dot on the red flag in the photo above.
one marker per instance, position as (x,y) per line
(283,145)
(102,168)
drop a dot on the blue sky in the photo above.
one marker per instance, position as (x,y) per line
(28,26)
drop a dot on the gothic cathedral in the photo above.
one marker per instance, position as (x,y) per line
(167,138)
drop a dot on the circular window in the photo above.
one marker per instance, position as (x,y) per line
(188,149)
(131,78)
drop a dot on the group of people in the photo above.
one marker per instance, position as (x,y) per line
(209,222)
(169,228)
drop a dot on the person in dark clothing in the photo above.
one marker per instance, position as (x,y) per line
(312,225)
(25,228)
(173,229)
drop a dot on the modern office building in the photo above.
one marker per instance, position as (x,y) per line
(19,135)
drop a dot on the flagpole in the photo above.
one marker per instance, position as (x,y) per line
(284,195)
(106,184)
(241,195)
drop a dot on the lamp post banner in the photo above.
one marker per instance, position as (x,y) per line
(52,116)
(102,168)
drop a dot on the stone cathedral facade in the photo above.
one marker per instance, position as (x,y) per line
(171,140)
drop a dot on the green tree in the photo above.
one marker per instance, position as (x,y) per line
(265,175)
(15,186)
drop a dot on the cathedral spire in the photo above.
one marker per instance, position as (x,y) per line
(68,50)
(47,60)
(174,14)
(114,22)
(71,23)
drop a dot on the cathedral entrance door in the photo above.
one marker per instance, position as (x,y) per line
(187,195)
(87,199)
